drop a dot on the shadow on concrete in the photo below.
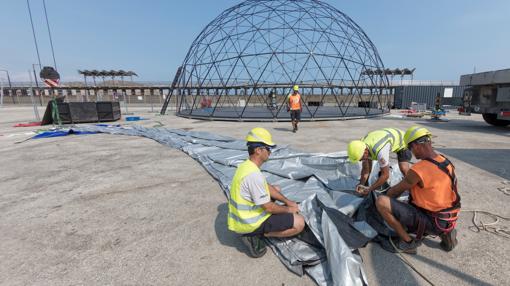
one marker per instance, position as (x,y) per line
(389,269)
(283,129)
(225,236)
(495,161)
(459,125)
(468,126)
(457,273)
(432,243)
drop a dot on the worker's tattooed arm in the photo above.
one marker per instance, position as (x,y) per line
(366,168)
(407,183)
(385,175)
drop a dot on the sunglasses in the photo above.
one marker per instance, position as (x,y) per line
(419,141)
(268,149)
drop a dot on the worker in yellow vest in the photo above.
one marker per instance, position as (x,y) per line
(295,106)
(377,145)
(434,202)
(252,211)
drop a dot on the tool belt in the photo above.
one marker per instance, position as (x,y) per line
(445,221)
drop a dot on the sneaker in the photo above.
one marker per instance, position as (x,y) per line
(448,240)
(256,247)
(402,246)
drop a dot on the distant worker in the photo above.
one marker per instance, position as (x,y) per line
(294,104)
(271,104)
(377,145)
(438,110)
(434,202)
(252,211)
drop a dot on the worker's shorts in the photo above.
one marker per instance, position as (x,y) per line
(408,215)
(404,155)
(276,222)
(295,114)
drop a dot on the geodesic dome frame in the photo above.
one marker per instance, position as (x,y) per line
(243,64)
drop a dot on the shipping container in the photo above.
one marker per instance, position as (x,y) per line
(450,95)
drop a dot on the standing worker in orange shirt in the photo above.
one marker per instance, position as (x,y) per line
(294,104)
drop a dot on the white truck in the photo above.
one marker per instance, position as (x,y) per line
(488,93)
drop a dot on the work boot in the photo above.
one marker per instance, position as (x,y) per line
(256,247)
(401,246)
(448,240)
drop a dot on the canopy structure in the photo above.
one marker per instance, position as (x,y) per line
(390,72)
(104,73)
(245,62)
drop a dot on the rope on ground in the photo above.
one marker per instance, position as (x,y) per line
(24,140)
(159,124)
(402,257)
(505,190)
(490,227)
(478,226)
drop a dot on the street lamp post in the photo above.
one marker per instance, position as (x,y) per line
(8,77)
(35,75)
(37,84)
(36,112)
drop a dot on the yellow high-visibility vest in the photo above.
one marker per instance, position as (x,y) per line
(244,216)
(376,140)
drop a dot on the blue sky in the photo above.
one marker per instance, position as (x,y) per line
(441,39)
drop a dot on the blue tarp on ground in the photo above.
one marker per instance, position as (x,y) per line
(60,133)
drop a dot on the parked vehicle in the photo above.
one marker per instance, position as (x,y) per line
(488,93)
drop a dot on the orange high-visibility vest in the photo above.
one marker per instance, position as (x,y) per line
(436,193)
(294,101)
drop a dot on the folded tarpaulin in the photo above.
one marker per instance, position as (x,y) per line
(59,133)
(321,183)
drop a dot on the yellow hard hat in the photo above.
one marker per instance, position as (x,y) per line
(414,133)
(355,150)
(296,88)
(260,135)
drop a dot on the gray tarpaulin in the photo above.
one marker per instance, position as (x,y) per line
(322,183)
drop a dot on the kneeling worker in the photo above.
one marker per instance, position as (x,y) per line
(377,145)
(252,211)
(434,201)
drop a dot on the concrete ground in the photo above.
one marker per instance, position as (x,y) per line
(117,210)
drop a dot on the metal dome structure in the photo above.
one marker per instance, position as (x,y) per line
(242,66)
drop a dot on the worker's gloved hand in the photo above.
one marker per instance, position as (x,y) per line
(362,190)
